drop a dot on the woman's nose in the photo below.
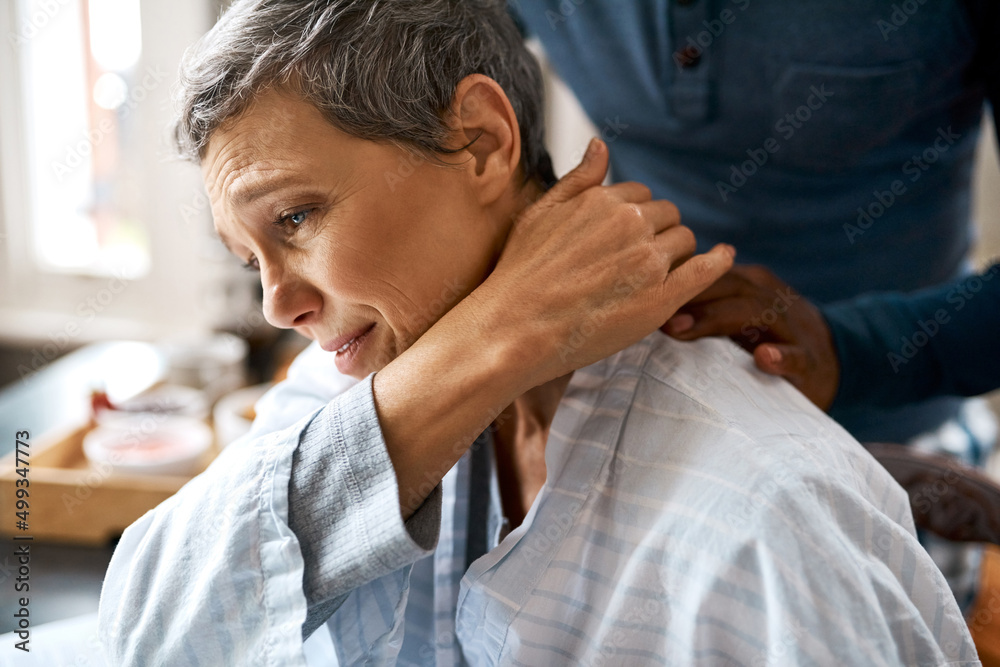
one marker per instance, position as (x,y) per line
(289,301)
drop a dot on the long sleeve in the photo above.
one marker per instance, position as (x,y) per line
(344,492)
(214,575)
(896,349)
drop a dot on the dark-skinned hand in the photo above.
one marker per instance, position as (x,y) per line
(786,334)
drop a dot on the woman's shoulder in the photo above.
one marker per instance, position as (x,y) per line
(704,408)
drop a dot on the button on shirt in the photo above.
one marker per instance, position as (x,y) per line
(847,104)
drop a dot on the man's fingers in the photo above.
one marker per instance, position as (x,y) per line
(760,276)
(694,275)
(722,317)
(788,361)
(590,172)
(728,286)
(793,363)
(678,324)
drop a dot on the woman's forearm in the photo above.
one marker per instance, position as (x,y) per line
(435,400)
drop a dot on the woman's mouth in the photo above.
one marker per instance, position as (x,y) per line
(348,352)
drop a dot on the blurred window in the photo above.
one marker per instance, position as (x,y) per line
(80,84)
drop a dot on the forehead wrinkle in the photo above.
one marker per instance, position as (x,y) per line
(252,173)
(245,191)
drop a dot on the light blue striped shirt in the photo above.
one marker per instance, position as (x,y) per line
(695,512)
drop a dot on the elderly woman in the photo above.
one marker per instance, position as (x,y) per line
(376,162)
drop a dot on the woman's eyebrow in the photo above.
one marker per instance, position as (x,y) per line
(242,196)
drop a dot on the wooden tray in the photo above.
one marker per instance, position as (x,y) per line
(71,501)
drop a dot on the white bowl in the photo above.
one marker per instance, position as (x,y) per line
(214,363)
(149,444)
(164,399)
(230,413)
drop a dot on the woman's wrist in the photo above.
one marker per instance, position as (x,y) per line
(436,398)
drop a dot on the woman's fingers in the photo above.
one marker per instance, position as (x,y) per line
(748,304)
(694,275)
(590,172)
(676,244)
(661,214)
(630,191)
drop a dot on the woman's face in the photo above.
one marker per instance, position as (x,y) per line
(360,245)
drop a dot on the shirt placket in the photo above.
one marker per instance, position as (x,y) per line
(687,32)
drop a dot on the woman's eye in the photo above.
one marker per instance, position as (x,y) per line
(252,264)
(295,219)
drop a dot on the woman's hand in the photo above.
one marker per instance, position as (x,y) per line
(585,272)
(786,334)
(588,270)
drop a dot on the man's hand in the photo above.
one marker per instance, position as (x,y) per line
(588,270)
(786,334)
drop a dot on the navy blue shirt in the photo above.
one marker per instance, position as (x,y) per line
(832,142)
(895,349)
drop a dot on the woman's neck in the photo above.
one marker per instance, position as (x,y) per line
(522,430)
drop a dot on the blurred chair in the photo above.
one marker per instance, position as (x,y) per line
(959,503)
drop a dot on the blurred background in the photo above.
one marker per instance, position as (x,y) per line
(112,280)
(104,234)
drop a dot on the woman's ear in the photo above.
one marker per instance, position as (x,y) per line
(485,126)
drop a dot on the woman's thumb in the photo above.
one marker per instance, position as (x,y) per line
(590,172)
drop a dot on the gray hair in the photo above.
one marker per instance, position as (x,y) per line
(377,69)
